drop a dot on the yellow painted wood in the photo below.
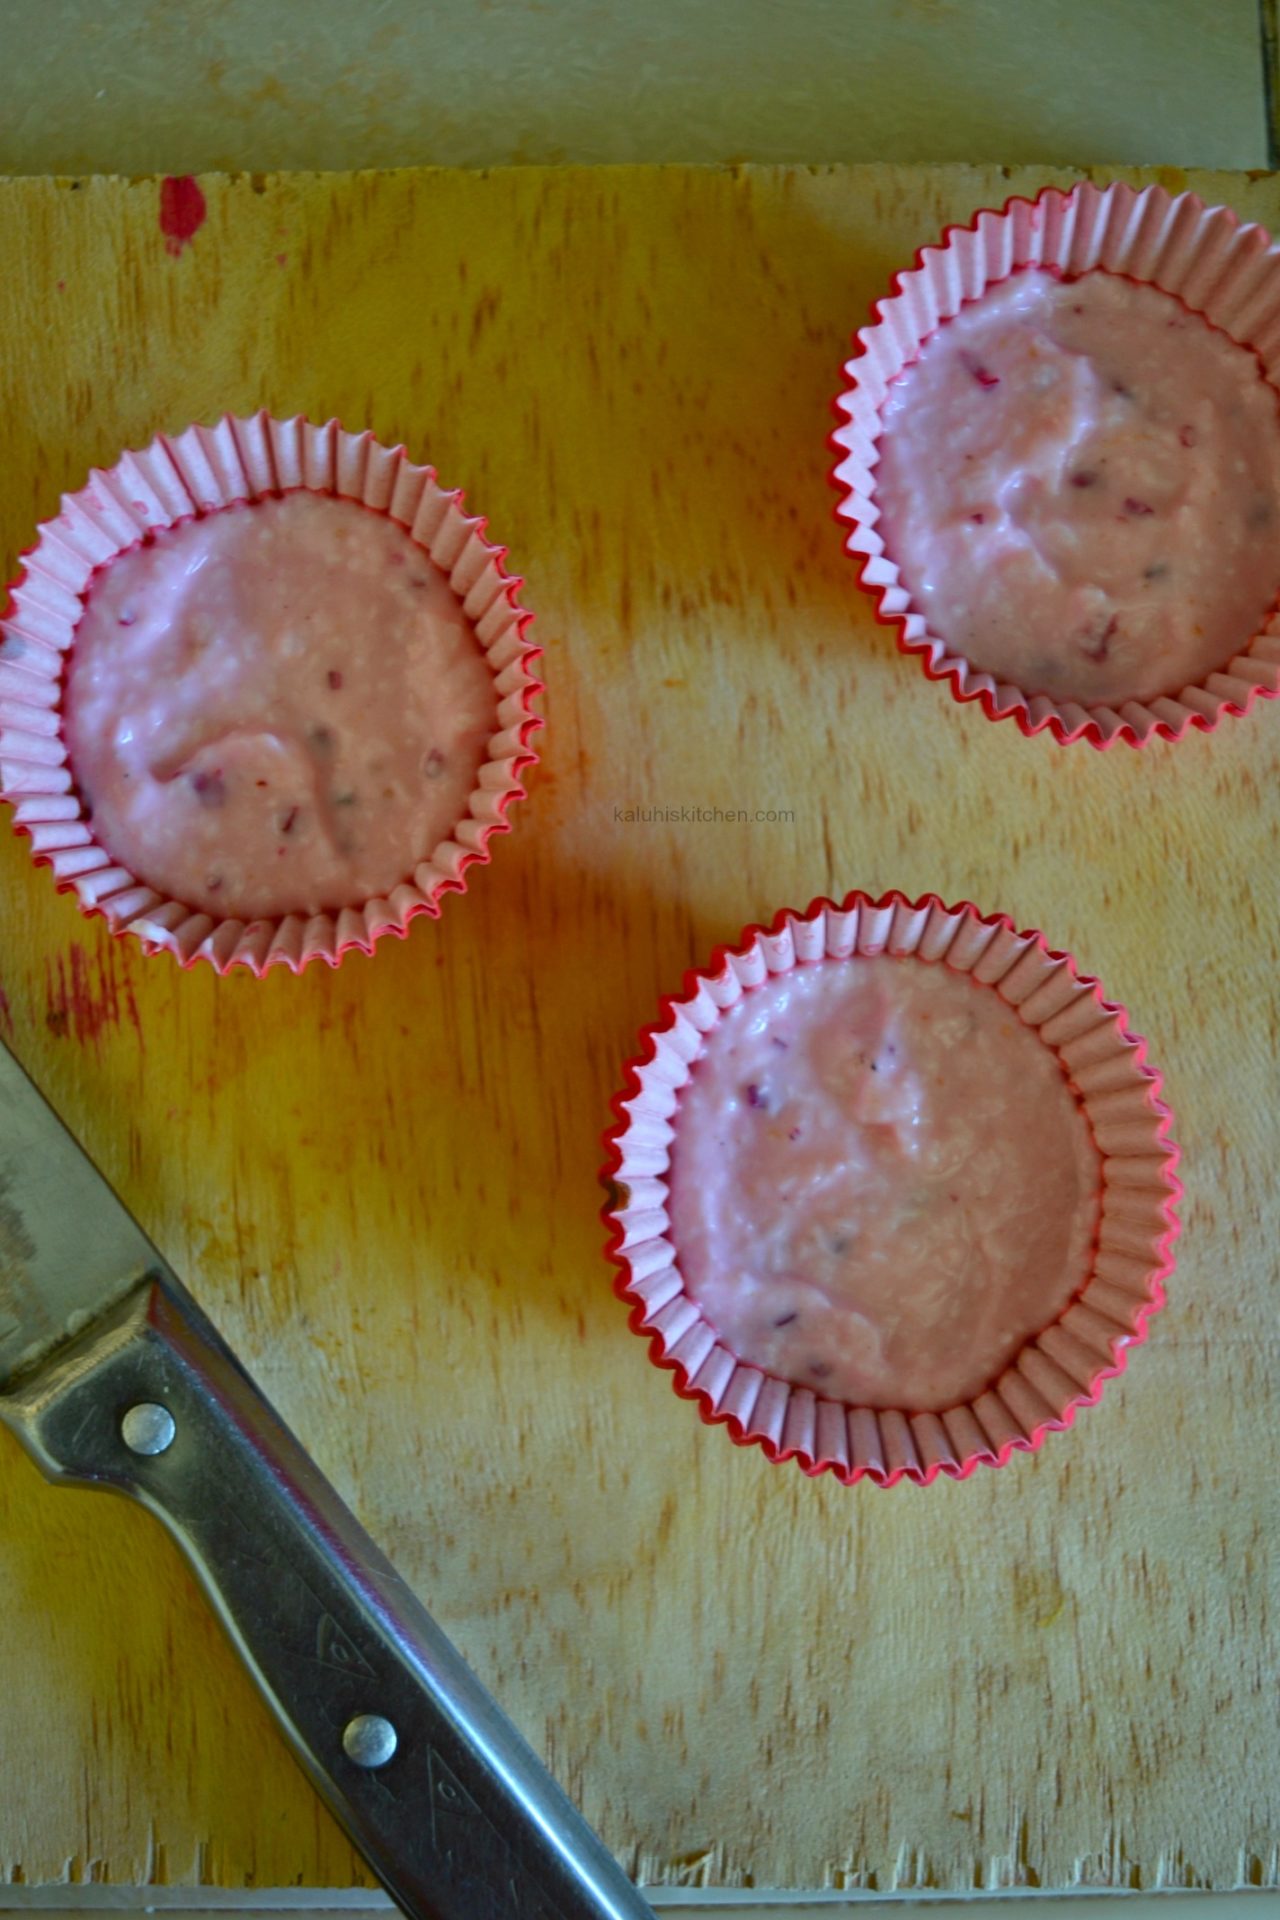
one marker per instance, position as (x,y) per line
(382,1182)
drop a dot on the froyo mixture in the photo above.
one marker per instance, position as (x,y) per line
(881,1183)
(1080,485)
(277,708)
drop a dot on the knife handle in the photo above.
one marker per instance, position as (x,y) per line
(450,1807)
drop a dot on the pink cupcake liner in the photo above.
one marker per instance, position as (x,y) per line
(181,477)
(1205,256)
(1064,1367)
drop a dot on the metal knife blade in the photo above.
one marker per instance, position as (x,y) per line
(55,1276)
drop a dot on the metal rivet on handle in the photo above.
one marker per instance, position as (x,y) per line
(369,1740)
(147,1428)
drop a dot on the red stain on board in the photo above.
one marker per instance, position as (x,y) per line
(83,996)
(182,211)
(6,1013)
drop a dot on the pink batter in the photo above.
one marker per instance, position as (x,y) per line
(881,1183)
(276,709)
(1080,484)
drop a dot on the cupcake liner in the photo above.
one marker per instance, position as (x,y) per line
(180,478)
(1216,266)
(1061,1369)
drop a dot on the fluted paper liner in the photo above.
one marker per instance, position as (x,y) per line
(1061,1369)
(185,476)
(1208,259)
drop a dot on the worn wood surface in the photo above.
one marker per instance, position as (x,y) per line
(139,86)
(382,1182)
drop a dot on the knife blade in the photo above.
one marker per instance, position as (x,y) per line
(112,1377)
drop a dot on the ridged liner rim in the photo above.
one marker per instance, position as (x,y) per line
(1064,1367)
(1218,266)
(203,470)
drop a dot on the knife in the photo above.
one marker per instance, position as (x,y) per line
(112,1377)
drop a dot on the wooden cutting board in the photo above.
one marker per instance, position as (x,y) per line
(383,1182)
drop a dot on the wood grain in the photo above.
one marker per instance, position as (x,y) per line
(382,1182)
(139,86)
